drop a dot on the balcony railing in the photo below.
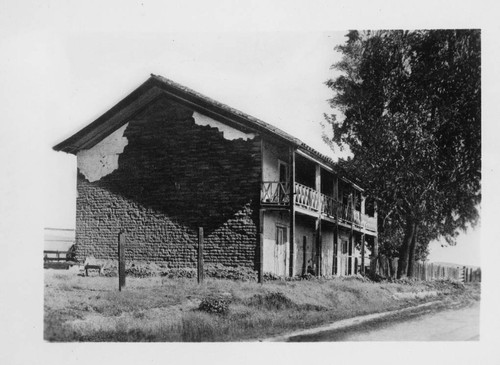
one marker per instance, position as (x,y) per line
(274,192)
(356,217)
(278,193)
(345,212)
(329,206)
(306,197)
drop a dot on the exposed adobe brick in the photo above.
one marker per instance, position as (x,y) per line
(173,177)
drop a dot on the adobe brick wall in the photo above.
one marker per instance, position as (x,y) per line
(172,177)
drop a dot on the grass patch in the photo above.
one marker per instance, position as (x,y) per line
(164,309)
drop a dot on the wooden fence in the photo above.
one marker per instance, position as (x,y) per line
(426,272)
(471,275)
(429,271)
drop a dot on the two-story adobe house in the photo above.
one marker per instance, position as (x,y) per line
(166,160)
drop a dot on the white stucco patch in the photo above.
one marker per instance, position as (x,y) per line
(227,131)
(102,159)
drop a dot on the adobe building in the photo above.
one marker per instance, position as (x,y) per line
(166,160)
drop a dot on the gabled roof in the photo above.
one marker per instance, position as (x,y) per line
(155,87)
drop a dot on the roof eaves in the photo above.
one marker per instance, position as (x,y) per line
(255,122)
(70,144)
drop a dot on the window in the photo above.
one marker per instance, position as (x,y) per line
(370,207)
(344,246)
(281,235)
(283,171)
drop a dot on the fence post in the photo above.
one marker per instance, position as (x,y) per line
(121,260)
(201,273)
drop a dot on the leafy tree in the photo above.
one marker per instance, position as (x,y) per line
(411,105)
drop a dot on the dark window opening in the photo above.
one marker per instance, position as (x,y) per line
(305,172)
(370,207)
(357,200)
(344,246)
(326,183)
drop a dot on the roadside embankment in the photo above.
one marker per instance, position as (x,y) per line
(166,309)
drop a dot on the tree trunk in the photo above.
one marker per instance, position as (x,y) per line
(390,261)
(374,257)
(413,248)
(405,249)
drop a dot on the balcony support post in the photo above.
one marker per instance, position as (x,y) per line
(351,247)
(292,211)
(336,255)
(363,253)
(318,246)
(319,250)
(336,188)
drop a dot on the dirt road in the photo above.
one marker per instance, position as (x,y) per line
(449,325)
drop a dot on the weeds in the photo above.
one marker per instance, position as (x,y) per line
(214,305)
(272,301)
(163,309)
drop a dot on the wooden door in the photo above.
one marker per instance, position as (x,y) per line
(281,250)
(344,257)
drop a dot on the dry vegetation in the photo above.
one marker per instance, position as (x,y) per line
(161,309)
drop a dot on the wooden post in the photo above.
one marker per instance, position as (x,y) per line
(335,268)
(374,259)
(350,251)
(292,211)
(304,255)
(121,260)
(362,254)
(319,249)
(336,242)
(201,274)
(261,246)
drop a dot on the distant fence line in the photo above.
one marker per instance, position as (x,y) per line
(59,235)
(429,271)
(59,229)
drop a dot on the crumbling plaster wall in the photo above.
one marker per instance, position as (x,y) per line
(271,154)
(102,159)
(228,132)
(171,176)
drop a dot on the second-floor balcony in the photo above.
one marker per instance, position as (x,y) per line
(309,199)
(275,192)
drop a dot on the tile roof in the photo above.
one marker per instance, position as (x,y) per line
(269,127)
(99,127)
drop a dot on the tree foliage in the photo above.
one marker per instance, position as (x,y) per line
(411,105)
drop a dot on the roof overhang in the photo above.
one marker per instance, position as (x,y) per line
(157,87)
(153,89)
